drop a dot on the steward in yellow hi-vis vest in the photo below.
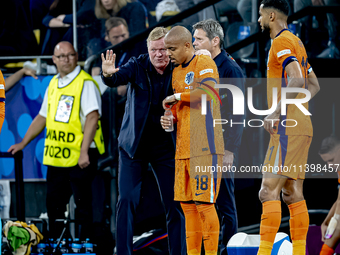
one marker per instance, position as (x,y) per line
(64,133)
(70,111)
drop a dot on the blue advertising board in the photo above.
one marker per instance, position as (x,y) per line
(23,103)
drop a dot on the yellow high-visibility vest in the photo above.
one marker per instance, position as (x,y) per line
(64,134)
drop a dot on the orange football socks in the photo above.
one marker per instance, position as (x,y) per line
(326,250)
(270,223)
(211,227)
(193,228)
(299,223)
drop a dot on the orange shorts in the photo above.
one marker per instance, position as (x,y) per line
(287,155)
(198,178)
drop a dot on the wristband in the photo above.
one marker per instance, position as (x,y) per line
(177,96)
(331,228)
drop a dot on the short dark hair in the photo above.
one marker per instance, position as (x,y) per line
(115,22)
(280,5)
(329,144)
(212,29)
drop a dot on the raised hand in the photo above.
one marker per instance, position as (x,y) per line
(108,64)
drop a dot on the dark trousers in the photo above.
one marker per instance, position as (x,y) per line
(130,176)
(227,207)
(62,182)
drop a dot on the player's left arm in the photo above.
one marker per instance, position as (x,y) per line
(207,87)
(296,80)
(208,77)
(313,83)
(193,96)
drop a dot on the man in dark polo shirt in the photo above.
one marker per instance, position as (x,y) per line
(142,139)
(209,35)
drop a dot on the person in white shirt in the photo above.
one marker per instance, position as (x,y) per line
(70,112)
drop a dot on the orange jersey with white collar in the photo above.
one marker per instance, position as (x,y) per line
(196,135)
(285,48)
(2,100)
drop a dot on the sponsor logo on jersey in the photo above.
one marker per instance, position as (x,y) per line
(283,52)
(2,86)
(206,71)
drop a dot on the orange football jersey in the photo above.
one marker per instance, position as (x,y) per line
(196,134)
(287,47)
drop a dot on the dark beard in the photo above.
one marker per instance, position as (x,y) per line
(266,31)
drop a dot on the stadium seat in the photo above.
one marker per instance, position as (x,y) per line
(238,31)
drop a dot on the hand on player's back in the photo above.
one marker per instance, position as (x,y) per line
(108,65)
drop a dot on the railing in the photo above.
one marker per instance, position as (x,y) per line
(310,10)
(39,58)
(19,183)
(140,36)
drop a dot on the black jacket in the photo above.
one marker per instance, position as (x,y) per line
(137,72)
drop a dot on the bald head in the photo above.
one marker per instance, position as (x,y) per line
(178,43)
(63,45)
(179,34)
(65,58)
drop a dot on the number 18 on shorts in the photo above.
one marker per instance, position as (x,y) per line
(197,179)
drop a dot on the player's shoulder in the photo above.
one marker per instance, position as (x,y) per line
(285,38)
(204,65)
(204,62)
(201,59)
